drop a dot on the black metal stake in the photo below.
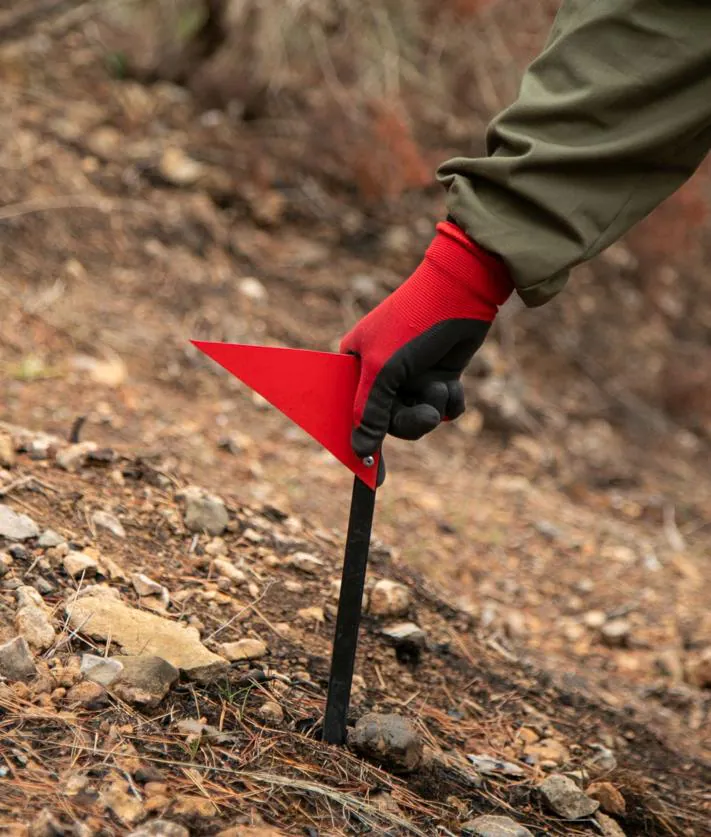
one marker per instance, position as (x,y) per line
(355,562)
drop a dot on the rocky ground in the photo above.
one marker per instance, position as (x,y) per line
(537,607)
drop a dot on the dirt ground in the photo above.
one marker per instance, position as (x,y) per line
(559,561)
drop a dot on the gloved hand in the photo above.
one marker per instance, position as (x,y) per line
(415,345)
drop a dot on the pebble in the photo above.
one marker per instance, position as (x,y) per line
(16,526)
(616,633)
(609,827)
(204,512)
(144,680)
(549,752)
(138,632)
(79,564)
(493,826)
(43,586)
(194,806)
(145,586)
(405,633)
(16,661)
(490,766)
(105,520)
(594,619)
(253,289)
(228,570)
(32,622)
(160,828)
(49,538)
(103,670)
(72,458)
(127,807)
(105,141)
(306,563)
(311,614)
(7,452)
(178,169)
(244,649)
(271,712)
(610,799)
(389,598)
(87,694)
(566,799)
(27,595)
(389,740)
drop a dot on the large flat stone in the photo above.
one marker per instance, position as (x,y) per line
(141,633)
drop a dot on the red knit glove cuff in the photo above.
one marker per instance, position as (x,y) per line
(493,284)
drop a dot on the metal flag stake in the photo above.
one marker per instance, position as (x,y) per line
(316,390)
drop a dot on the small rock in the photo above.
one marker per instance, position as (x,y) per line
(306,563)
(7,452)
(244,649)
(15,526)
(104,520)
(228,570)
(698,669)
(87,694)
(389,740)
(594,619)
(79,564)
(145,586)
(105,141)
(103,670)
(33,624)
(252,289)
(178,169)
(610,799)
(160,828)
(566,799)
(27,595)
(194,730)
(490,766)
(271,712)
(311,614)
(549,751)
(123,804)
(49,539)
(389,598)
(616,633)
(492,826)
(250,831)
(145,680)
(405,633)
(205,513)
(16,661)
(74,457)
(609,827)
(194,806)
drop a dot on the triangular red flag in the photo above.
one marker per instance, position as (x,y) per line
(316,390)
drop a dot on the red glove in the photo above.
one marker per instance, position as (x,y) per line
(415,345)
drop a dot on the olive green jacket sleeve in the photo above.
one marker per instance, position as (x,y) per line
(611,118)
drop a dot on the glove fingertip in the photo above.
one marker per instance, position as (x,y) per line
(365,442)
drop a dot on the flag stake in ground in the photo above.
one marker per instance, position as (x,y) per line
(317,390)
